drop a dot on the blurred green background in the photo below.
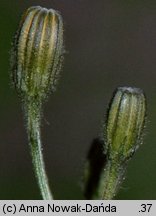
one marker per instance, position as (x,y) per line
(108,44)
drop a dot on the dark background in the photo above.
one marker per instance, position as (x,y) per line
(108,44)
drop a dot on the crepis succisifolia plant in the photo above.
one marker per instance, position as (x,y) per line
(36,60)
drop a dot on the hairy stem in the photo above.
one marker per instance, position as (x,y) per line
(110,180)
(33,116)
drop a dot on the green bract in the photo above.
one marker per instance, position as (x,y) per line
(37,52)
(125,122)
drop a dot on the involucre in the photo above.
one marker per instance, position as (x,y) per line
(125,122)
(37,52)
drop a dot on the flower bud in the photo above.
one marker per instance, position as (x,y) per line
(37,52)
(125,123)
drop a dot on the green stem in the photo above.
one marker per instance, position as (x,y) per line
(33,115)
(110,180)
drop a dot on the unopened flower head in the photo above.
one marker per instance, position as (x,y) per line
(37,52)
(125,122)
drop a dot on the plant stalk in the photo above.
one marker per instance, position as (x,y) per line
(110,180)
(33,115)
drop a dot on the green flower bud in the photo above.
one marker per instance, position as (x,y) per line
(125,123)
(37,52)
